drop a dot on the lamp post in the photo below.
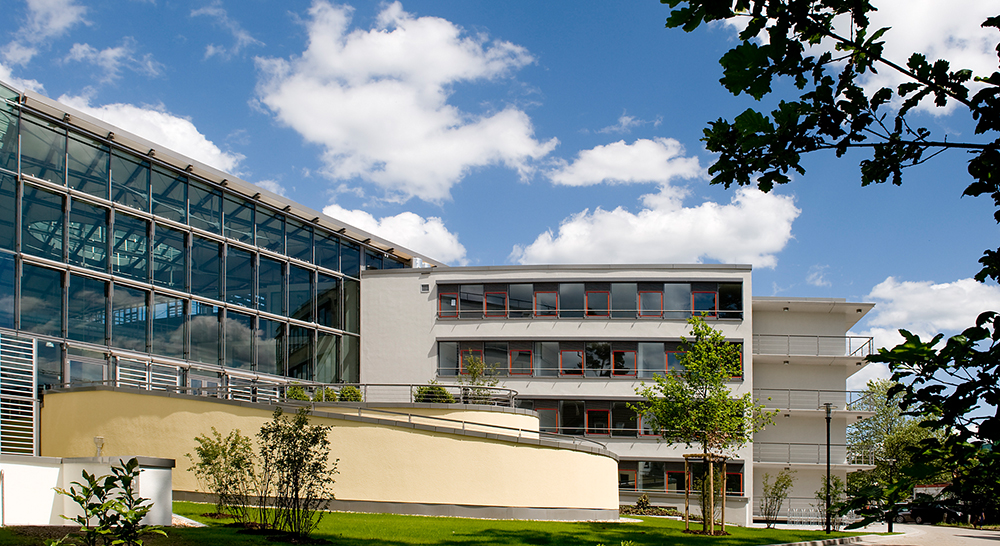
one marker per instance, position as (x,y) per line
(892,478)
(829,407)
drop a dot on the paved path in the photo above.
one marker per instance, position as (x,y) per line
(932,535)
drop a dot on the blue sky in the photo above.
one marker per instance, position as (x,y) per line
(490,133)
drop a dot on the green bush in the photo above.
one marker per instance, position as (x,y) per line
(325,394)
(296,392)
(225,466)
(642,503)
(433,394)
(350,394)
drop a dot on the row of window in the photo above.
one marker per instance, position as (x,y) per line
(669,477)
(663,300)
(49,152)
(99,312)
(573,359)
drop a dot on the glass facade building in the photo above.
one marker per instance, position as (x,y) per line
(113,257)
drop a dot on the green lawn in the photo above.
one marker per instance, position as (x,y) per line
(365,529)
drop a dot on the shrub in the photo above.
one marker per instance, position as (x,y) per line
(774,495)
(325,394)
(350,394)
(225,466)
(433,394)
(642,503)
(296,392)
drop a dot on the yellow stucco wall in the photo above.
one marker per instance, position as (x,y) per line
(377,463)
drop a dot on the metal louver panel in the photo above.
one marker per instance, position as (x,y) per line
(18,409)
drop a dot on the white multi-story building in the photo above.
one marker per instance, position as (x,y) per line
(576,341)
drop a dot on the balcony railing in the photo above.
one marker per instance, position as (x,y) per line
(766,452)
(804,399)
(771,344)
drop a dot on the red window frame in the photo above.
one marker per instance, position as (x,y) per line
(702,313)
(547,313)
(739,476)
(635,364)
(646,315)
(510,362)
(561,372)
(440,297)
(686,480)
(486,304)
(642,429)
(555,409)
(635,480)
(461,359)
(586,303)
(606,420)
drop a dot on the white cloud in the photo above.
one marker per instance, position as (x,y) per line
(658,160)
(157,125)
(626,123)
(113,59)
(377,101)
(241,37)
(46,19)
(271,186)
(817,275)
(752,228)
(428,236)
(22,84)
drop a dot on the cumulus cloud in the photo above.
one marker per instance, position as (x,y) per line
(658,160)
(271,186)
(113,59)
(47,19)
(22,84)
(626,123)
(428,236)
(241,37)
(751,228)
(157,125)
(376,101)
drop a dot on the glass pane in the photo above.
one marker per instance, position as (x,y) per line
(239,219)
(571,362)
(168,326)
(704,303)
(169,252)
(8,137)
(270,290)
(731,301)
(496,304)
(571,300)
(87,301)
(598,355)
(41,300)
(350,358)
(49,357)
(623,300)
(300,345)
(129,180)
(239,333)
(43,149)
(598,422)
(677,301)
(8,210)
(623,420)
(129,252)
(652,359)
(326,357)
(652,476)
(128,318)
(328,251)
(495,357)
(270,230)
(546,304)
(372,260)
(675,362)
(352,305)
(520,362)
(448,358)
(519,300)
(350,258)
(205,264)
(169,191)
(548,420)
(239,278)
(598,304)
(572,417)
(7,272)
(204,333)
(42,223)
(470,304)
(88,236)
(85,371)
(328,300)
(300,244)
(270,347)
(205,207)
(89,166)
(300,293)
(624,362)
(547,358)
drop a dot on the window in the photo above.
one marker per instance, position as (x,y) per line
(352,306)
(7,273)
(271,286)
(598,422)
(88,164)
(677,301)
(519,300)
(734,483)
(168,326)
(648,425)
(350,258)
(169,192)
(239,333)
(571,362)
(205,208)
(520,362)
(42,223)
(270,340)
(300,293)
(548,418)
(87,311)
(470,304)
(650,304)
(598,304)
(169,258)
(373,260)
(731,301)
(270,230)
(88,236)
(546,304)
(300,241)
(675,362)
(129,180)
(571,300)
(41,300)
(572,418)
(626,479)
(704,304)
(624,363)
(623,420)
(8,208)
(447,358)
(300,352)
(546,358)
(495,357)
(652,476)
(327,251)
(623,300)
(328,300)
(675,481)
(129,248)
(598,354)
(239,277)
(652,359)
(205,265)
(129,317)
(238,216)
(326,357)
(43,148)
(466,355)
(448,305)
(496,304)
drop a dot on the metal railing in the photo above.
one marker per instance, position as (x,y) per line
(797,453)
(789,345)
(805,511)
(806,399)
(590,314)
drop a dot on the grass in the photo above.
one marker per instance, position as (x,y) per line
(349,529)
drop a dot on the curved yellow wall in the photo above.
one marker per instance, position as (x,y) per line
(380,463)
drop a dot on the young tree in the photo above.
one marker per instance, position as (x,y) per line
(775,494)
(837,498)
(695,405)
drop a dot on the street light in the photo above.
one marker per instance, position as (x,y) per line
(829,407)
(892,478)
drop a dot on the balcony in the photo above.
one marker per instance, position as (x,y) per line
(803,399)
(789,345)
(812,454)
